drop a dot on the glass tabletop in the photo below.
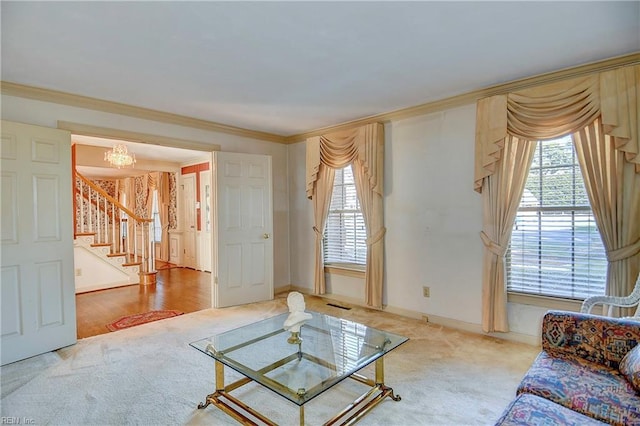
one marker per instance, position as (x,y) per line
(331,349)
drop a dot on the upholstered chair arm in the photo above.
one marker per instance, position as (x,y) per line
(592,337)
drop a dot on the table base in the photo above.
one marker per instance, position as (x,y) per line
(247,415)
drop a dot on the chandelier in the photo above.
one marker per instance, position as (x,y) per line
(119,157)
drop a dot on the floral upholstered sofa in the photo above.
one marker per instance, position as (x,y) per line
(588,372)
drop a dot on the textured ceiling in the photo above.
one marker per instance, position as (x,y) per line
(291,67)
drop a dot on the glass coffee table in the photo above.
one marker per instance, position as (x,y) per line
(299,366)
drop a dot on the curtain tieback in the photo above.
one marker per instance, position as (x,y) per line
(624,252)
(492,246)
(317,231)
(377,237)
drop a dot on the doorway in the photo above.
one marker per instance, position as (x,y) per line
(177,287)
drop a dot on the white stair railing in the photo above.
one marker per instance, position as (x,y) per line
(113,225)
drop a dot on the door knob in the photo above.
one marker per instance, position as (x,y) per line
(265,236)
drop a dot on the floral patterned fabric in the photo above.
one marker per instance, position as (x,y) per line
(530,410)
(592,389)
(630,367)
(595,338)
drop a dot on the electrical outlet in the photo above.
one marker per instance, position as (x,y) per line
(426,291)
(78,272)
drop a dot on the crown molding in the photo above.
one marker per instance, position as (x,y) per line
(58,97)
(125,135)
(474,96)
(47,95)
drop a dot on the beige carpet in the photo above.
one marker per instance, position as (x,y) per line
(149,375)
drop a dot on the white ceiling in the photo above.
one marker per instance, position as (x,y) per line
(292,67)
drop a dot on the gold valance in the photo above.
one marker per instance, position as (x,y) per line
(364,144)
(557,109)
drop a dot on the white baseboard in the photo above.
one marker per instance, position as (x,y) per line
(423,316)
(104,286)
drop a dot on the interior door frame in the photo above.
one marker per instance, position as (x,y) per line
(207,149)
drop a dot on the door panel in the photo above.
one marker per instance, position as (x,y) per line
(243,229)
(38,288)
(189,215)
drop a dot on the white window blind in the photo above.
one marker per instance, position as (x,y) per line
(345,233)
(555,247)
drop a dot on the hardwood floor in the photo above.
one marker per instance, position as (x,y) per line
(181,289)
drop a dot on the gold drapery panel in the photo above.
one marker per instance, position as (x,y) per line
(363,147)
(500,199)
(614,193)
(160,181)
(321,203)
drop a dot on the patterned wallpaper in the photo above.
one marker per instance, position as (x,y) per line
(108,186)
(141,196)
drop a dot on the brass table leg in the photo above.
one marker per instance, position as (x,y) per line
(386,390)
(221,395)
(212,398)
(378,392)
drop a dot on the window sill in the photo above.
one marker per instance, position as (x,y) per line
(345,270)
(545,301)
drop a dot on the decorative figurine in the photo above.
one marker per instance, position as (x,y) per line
(297,316)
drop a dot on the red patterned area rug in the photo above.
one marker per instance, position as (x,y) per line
(143,318)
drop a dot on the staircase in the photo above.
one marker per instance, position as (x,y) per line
(113,233)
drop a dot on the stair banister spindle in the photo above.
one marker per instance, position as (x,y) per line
(97,222)
(81,207)
(146,249)
(152,247)
(143,248)
(105,214)
(114,238)
(90,215)
(146,243)
(135,239)
(124,233)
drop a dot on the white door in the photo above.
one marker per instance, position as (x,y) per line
(190,218)
(243,227)
(38,288)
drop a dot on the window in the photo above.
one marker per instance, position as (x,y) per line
(555,247)
(345,234)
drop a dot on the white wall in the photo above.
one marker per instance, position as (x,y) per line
(432,214)
(92,273)
(433,218)
(48,114)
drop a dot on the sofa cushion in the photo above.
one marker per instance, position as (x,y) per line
(528,410)
(592,389)
(630,367)
(595,338)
